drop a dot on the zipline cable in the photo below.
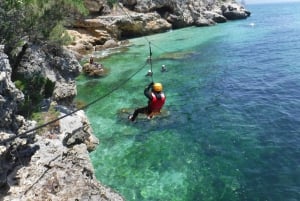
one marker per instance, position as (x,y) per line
(150,60)
(126,13)
(68,114)
(149,43)
(91,103)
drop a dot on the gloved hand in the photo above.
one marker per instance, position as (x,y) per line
(150,85)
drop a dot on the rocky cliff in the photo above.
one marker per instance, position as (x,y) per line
(108,24)
(52,162)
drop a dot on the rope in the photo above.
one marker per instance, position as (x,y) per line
(150,53)
(82,108)
(149,43)
(91,103)
(164,50)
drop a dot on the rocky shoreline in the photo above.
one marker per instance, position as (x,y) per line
(108,26)
(52,162)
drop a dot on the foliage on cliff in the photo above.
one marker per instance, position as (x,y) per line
(35,20)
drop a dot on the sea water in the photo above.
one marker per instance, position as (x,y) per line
(230,129)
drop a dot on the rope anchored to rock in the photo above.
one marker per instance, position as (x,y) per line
(26,133)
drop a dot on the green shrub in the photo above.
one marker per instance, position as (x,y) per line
(20,85)
(59,34)
(44,117)
(49,88)
(38,21)
(111,3)
(35,90)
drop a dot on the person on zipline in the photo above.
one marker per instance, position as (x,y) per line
(156,101)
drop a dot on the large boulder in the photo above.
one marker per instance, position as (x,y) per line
(90,33)
(54,64)
(94,70)
(97,7)
(234,11)
(141,24)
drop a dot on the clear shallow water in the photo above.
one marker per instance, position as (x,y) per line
(232,129)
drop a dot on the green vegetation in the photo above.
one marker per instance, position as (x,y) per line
(34,90)
(80,104)
(44,117)
(24,22)
(111,2)
(59,35)
(36,21)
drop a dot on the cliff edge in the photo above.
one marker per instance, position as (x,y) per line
(51,162)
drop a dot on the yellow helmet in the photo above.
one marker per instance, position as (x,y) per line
(157,87)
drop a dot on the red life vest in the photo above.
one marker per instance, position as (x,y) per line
(156,104)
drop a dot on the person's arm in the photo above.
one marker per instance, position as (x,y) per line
(147,91)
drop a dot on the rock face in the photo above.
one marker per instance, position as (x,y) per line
(52,162)
(57,65)
(185,13)
(131,18)
(10,96)
(59,168)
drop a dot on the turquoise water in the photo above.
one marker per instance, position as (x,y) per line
(231,123)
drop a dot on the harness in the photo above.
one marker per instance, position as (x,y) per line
(157,103)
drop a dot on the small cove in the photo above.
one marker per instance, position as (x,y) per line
(232,129)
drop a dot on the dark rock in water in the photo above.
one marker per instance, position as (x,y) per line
(94,69)
(234,12)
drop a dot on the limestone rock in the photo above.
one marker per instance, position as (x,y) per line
(58,65)
(234,11)
(61,174)
(141,24)
(10,96)
(132,18)
(186,13)
(99,7)
(64,92)
(76,129)
(46,164)
(94,69)
(51,62)
(215,17)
